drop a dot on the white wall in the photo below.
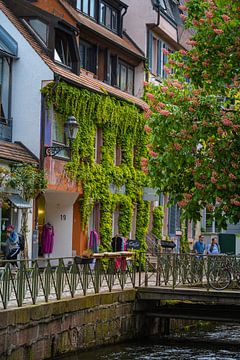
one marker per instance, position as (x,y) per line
(58,205)
(28,72)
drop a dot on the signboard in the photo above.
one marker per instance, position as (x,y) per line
(117,190)
(133,244)
(178,232)
(150,194)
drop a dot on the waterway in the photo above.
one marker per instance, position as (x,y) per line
(220,343)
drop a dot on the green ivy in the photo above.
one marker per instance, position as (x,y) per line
(122,123)
(158,215)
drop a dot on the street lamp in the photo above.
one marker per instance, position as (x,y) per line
(70,129)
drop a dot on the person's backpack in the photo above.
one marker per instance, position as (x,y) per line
(21,241)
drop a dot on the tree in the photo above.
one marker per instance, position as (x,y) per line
(194,135)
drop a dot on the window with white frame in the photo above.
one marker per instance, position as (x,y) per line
(157,55)
(87,7)
(58,134)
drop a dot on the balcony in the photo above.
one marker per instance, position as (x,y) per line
(6,129)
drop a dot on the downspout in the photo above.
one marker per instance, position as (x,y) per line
(122,15)
(158,18)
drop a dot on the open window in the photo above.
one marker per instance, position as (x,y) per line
(58,133)
(38,27)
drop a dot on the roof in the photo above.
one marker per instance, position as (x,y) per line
(124,42)
(16,152)
(81,80)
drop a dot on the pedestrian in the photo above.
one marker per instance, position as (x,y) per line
(199,246)
(213,248)
(12,245)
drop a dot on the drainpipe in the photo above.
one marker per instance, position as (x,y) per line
(122,15)
(158,18)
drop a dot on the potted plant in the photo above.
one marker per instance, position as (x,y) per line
(86,258)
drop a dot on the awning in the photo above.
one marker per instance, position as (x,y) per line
(8,45)
(19,202)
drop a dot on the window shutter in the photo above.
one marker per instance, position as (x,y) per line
(159,57)
(150,48)
(114,70)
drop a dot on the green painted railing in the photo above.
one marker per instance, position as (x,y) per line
(44,280)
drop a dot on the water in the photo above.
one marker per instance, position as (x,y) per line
(222,343)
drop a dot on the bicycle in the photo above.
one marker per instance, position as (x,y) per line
(222,274)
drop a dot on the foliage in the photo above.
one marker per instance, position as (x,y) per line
(214,59)
(122,123)
(158,216)
(194,144)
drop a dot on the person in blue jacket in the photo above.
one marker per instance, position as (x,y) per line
(199,246)
(12,245)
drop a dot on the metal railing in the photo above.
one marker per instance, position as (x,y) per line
(43,280)
(194,271)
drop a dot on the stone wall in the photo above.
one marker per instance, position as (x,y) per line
(47,330)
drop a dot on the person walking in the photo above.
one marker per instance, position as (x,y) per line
(213,248)
(12,245)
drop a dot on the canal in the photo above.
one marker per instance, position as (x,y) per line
(220,343)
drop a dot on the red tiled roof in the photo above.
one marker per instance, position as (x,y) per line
(83,20)
(82,80)
(16,152)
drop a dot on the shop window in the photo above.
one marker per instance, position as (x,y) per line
(87,7)
(58,133)
(88,56)
(63,52)
(108,16)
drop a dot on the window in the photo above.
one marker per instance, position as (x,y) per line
(5,77)
(39,27)
(157,56)
(63,48)
(88,56)
(87,7)
(117,155)
(126,77)
(108,16)
(58,134)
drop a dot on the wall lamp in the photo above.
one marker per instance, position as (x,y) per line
(70,129)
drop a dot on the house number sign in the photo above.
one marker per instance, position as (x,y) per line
(63,217)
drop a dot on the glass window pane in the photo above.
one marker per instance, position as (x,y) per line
(92,8)
(4,87)
(130,81)
(82,56)
(102,13)
(78,4)
(123,77)
(40,28)
(62,51)
(85,6)
(114,20)
(108,17)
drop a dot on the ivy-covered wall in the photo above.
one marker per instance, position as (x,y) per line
(122,123)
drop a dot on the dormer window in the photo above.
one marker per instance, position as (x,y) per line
(108,16)
(62,51)
(87,7)
(39,27)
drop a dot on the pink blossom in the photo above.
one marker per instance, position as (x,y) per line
(150,96)
(209,14)
(161,104)
(182,203)
(194,127)
(180,64)
(177,146)
(183,52)
(144,161)
(172,62)
(225,17)
(164,89)
(218,199)
(183,17)
(195,22)
(164,112)
(153,154)
(145,83)
(198,163)
(206,62)
(191,42)
(199,185)
(147,113)
(195,57)
(202,21)
(182,7)
(227,122)
(172,94)
(167,70)
(165,51)
(220,130)
(218,31)
(188,196)
(191,109)
(213,180)
(147,129)
(210,207)
(232,176)
(236,127)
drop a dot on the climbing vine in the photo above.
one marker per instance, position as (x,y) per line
(122,124)
(158,215)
